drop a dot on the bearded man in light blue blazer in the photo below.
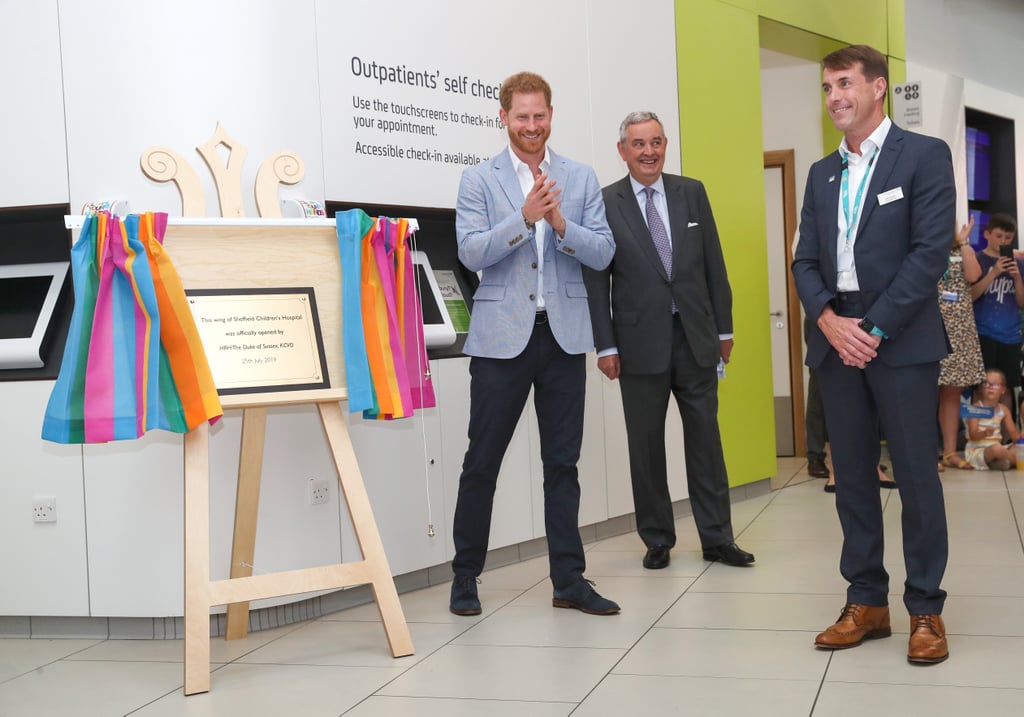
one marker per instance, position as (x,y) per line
(528,219)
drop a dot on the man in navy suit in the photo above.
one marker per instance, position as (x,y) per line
(662,314)
(528,219)
(877,221)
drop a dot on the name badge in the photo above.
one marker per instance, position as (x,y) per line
(950,296)
(891,196)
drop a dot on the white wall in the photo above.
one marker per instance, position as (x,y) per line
(968,55)
(791,118)
(791,111)
(32,123)
(115,77)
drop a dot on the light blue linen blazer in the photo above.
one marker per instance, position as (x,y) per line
(493,239)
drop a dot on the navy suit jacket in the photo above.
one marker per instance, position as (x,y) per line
(907,223)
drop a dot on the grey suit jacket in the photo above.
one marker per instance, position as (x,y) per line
(494,240)
(901,250)
(631,301)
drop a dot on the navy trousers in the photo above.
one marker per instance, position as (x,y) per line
(498,392)
(904,401)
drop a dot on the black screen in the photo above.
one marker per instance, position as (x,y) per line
(21,299)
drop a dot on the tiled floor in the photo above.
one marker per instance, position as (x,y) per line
(693,639)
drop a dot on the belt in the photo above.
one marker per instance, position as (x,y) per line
(541,318)
(849,303)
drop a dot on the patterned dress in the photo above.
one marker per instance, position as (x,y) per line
(964,366)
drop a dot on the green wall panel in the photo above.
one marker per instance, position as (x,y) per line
(866,21)
(720,142)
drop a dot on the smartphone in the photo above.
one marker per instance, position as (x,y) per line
(1006,251)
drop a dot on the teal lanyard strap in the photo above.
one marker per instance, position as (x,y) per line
(851,221)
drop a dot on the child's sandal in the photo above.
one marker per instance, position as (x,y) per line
(953,460)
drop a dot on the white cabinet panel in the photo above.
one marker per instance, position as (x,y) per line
(43,564)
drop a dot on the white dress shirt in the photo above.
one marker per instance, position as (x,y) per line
(526,181)
(861,168)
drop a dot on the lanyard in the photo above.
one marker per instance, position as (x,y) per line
(851,221)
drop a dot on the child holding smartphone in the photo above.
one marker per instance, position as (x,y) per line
(998,295)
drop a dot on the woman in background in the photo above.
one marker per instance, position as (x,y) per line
(964,366)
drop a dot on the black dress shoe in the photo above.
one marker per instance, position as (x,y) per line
(730,554)
(830,488)
(464,600)
(816,468)
(657,557)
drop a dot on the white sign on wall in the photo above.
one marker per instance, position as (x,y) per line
(906,104)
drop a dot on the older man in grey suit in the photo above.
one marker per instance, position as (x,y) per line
(662,316)
(528,219)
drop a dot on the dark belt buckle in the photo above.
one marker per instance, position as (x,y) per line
(541,318)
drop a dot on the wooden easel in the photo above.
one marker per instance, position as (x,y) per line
(246,253)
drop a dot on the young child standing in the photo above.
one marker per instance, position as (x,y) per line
(984,435)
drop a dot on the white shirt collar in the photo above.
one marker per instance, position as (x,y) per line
(874,141)
(658,186)
(545,164)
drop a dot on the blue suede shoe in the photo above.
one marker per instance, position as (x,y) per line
(465,600)
(582,596)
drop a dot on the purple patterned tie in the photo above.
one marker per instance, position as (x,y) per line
(658,233)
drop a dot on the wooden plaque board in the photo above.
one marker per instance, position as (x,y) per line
(266,253)
(255,254)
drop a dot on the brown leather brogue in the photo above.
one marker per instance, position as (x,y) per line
(927,639)
(856,624)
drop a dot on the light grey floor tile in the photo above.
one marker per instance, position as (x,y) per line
(839,699)
(627,542)
(975,661)
(954,481)
(19,655)
(752,654)
(433,707)
(221,650)
(557,674)
(747,611)
(353,644)
(532,621)
(992,580)
(84,689)
(769,577)
(619,695)
(605,563)
(814,526)
(431,605)
(635,593)
(974,615)
(518,576)
(980,552)
(275,690)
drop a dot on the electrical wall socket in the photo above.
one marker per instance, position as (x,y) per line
(319,491)
(44,509)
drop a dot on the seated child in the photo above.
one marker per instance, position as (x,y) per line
(984,435)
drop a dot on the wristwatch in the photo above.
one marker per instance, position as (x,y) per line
(869,326)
